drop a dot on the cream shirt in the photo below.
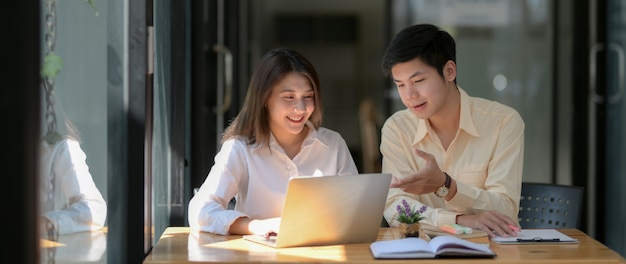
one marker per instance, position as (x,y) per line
(258,178)
(485,158)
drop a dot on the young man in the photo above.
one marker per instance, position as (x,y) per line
(461,156)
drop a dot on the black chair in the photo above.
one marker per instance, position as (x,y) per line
(544,205)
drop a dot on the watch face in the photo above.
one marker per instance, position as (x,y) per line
(442,191)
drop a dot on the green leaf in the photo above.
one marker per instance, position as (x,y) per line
(52,65)
(93,5)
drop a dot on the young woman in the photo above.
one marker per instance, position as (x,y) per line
(276,136)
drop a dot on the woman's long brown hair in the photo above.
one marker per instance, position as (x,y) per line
(253,121)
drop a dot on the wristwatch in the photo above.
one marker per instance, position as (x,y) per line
(443,190)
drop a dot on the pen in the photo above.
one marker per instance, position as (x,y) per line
(515,228)
(456,229)
(451,229)
(538,239)
(465,229)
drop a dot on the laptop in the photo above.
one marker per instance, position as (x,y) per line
(330,210)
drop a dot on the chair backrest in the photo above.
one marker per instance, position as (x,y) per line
(544,205)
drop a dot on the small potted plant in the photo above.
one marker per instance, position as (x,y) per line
(409,218)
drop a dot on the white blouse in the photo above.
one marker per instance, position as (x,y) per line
(258,177)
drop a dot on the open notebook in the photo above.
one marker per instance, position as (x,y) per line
(330,210)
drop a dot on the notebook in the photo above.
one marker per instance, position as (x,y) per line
(330,210)
(439,247)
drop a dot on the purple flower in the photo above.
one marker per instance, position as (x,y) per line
(423,209)
(407,208)
(408,215)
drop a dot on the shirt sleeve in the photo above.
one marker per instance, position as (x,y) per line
(207,209)
(396,162)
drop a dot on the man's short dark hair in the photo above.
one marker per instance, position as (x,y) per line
(428,42)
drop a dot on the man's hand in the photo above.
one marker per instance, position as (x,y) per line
(492,222)
(425,180)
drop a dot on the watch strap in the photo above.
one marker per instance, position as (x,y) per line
(448,181)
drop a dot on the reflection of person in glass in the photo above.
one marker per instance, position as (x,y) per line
(73,211)
(71,200)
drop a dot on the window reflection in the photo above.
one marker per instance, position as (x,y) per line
(71,202)
(72,172)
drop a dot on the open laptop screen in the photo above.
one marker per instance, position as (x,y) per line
(327,210)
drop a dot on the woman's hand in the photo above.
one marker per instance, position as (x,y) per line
(266,227)
(245,225)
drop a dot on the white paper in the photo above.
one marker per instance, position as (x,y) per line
(537,236)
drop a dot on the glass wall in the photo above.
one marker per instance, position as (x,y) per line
(170,107)
(113,127)
(161,149)
(94,140)
(74,154)
(615,126)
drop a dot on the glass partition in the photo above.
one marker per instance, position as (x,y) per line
(615,126)
(74,158)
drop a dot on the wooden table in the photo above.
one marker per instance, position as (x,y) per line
(180,245)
